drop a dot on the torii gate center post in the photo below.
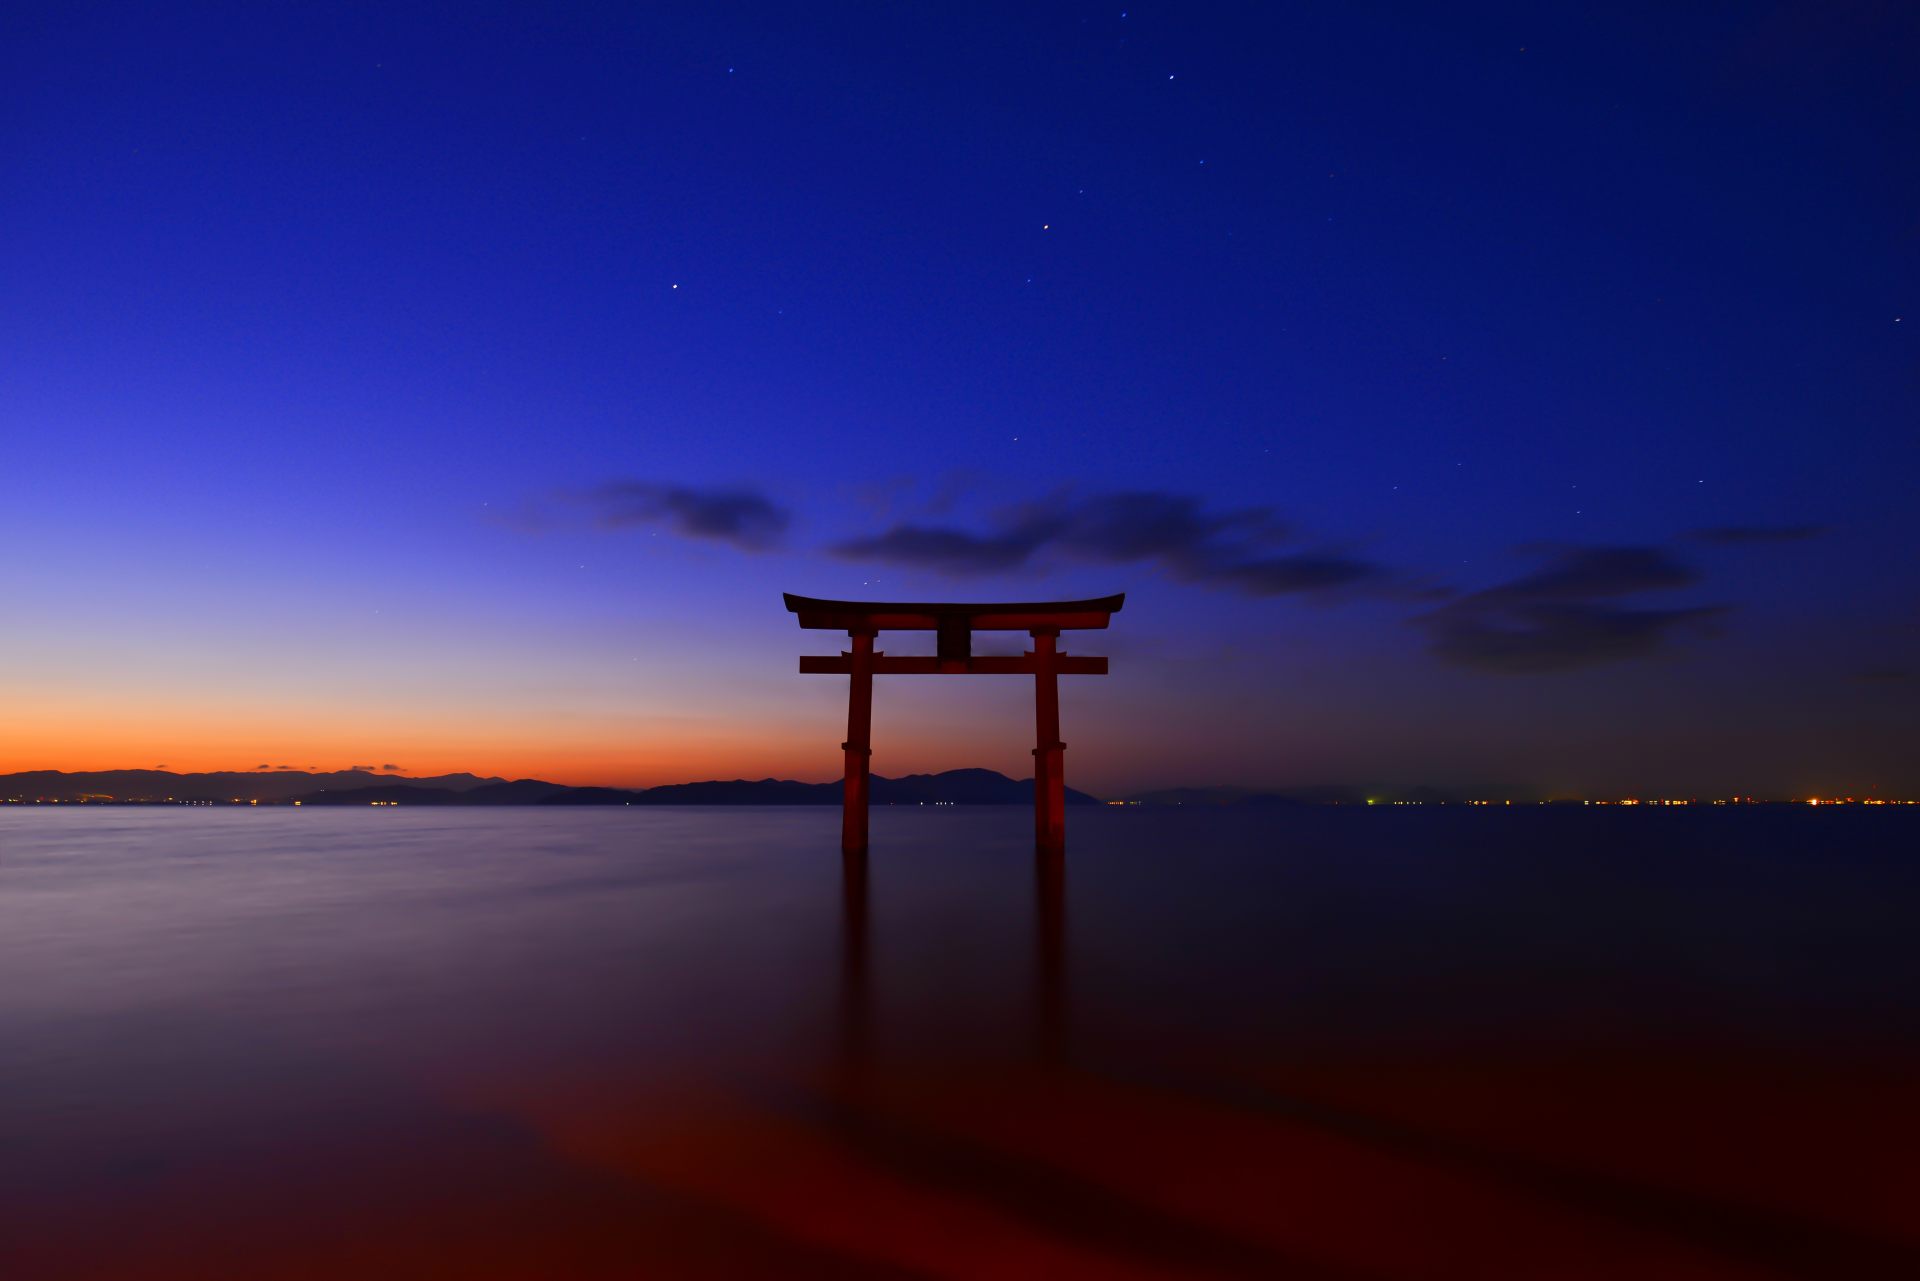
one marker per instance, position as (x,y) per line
(955,625)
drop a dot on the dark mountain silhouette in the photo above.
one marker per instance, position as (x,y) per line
(594,796)
(959,787)
(358,787)
(954,787)
(739,791)
(392,794)
(228,785)
(522,791)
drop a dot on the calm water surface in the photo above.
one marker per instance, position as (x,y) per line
(682,1042)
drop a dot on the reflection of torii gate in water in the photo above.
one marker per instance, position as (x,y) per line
(955,625)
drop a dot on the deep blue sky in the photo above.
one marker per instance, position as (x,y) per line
(1463,394)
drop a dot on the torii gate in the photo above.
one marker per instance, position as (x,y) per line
(955,626)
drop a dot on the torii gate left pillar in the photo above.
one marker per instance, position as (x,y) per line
(859,744)
(954,625)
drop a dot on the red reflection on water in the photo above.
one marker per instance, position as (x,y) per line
(933,1154)
(1052,1168)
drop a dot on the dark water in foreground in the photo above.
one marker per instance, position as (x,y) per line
(661,1043)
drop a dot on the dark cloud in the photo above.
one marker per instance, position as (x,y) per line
(1144,526)
(1174,531)
(953,551)
(1580,572)
(1563,616)
(390,769)
(1736,535)
(1556,636)
(1883,675)
(748,520)
(261,767)
(1281,575)
(363,769)
(918,495)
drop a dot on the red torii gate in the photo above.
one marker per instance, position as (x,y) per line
(955,624)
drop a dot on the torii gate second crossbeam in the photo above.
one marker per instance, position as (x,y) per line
(955,624)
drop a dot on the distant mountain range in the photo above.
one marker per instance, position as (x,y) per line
(358,787)
(954,787)
(229,785)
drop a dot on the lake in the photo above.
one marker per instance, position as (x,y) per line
(587,1043)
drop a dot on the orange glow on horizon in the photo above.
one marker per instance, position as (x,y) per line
(610,752)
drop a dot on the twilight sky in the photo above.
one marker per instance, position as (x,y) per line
(1460,393)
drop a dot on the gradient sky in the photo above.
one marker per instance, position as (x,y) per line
(1461,394)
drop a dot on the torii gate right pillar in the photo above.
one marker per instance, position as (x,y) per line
(1049,773)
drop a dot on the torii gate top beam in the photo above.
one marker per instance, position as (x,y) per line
(923,616)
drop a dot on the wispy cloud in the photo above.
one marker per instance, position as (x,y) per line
(744,518)
(1282,575)
(1229,549)
(1577,572)
(1572,611)
(1146,525)
(1566,614)
(951,551)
